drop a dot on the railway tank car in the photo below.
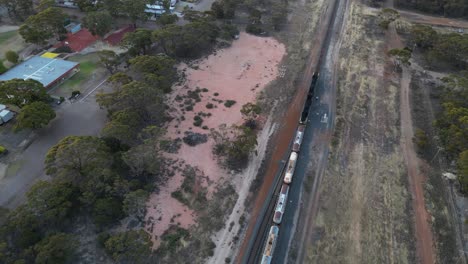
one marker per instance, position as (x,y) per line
(291,167)
(298,138)
(280,207)
(281,204)
(270,245)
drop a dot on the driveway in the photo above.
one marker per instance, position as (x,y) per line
(83,117)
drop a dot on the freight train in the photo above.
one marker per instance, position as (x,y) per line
(288,176)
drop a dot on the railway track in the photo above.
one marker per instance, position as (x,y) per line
(260,233)
(255,256)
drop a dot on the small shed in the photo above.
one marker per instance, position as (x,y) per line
(2,107)
(6,115)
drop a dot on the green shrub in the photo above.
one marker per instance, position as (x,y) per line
(421,139)
(209,105)
(198,121)
(3,150)
(3,69)
(255,29)
(11,56)
(229,103)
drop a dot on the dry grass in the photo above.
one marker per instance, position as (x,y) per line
(10,40)
(364,215)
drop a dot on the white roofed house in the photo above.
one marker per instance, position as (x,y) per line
(157,8)
(5,116)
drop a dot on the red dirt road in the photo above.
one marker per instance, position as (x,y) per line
(424,246)
(423,231)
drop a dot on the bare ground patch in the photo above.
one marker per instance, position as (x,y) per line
(210,97)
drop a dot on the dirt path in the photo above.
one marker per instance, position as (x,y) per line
(433,20)
(223,239)
(423,232)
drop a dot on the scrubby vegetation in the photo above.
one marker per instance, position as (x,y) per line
(441,51)
(450,52)
(450,8)
(452,124)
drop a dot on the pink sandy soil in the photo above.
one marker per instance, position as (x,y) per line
(237,73)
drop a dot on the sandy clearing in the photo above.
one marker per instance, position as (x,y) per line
(236,73)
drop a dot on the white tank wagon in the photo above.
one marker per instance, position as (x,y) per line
(270,245)
(281,204)
(298,139)
(291,167)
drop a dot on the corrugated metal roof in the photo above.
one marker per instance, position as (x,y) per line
(41,69)
(5,112)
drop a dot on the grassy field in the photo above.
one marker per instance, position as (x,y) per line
(86,69)
(90,70)
(7,35)
(10,40)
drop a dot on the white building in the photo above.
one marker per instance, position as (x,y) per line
(158,9)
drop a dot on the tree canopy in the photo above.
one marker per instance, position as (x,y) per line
(12,56)
(51,202)
(18,9)
(138,42)
(187,41)
(57,248)
(146,101)
(156,70)
(453,122)
(41,27)
(441,50)
(450,8)
(77,156)
(109,59)
(129,247)
(34,116)
(21,92)
(98,22)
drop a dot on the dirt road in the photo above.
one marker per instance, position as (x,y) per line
(433,20)
(423,230)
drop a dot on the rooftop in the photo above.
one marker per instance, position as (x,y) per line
(45,70)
